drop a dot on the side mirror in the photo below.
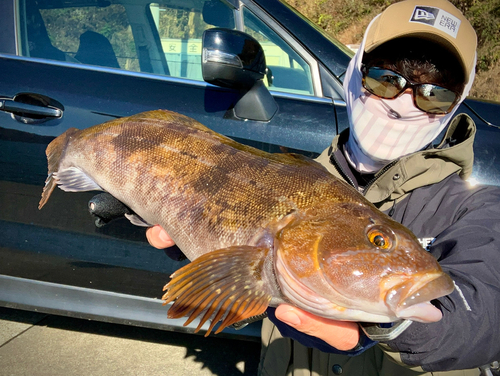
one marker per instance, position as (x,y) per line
(235,60)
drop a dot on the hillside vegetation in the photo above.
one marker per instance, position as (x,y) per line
(346,20)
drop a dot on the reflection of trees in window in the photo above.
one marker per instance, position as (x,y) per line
(181,23)
(257,35)
(65,26)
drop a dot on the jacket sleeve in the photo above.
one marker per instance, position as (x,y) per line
(314,342)
(468,249)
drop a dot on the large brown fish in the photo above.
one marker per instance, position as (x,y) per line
(260,228)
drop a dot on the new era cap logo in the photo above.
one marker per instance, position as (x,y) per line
(436,18)
(426,15)
(421,14)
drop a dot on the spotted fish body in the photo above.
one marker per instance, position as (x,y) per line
(259,228)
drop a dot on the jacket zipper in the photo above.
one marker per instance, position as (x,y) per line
(341,171)
(351,182)
(380,173)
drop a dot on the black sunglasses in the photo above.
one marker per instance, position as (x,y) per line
(430,98)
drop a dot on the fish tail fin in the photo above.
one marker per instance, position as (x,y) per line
(54,152)
(223,285)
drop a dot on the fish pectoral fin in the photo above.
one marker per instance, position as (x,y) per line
(224,285)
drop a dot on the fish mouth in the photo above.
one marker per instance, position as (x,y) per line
(411,300)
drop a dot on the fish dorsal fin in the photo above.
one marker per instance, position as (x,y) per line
(223,285)
(299,160)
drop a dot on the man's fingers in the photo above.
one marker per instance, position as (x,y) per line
(343,335)
(158,238)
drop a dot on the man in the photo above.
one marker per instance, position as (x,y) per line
(414,67)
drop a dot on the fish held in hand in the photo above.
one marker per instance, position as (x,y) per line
(260,229)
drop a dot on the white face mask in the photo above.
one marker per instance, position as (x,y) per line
(383,130)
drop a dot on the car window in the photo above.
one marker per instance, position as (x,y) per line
(162,37)
(287,70)
(181,29)
(86,34)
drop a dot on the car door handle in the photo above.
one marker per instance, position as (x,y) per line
(25,109)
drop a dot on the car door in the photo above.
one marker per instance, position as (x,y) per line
(83,62)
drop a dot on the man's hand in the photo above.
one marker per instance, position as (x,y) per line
(158,237)
(342,335)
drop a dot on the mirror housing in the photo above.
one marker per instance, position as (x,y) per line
(235,60)
(232,59)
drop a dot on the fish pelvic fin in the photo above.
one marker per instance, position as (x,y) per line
(54,152)
(225,285)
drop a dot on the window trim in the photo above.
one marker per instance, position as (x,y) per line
(21,33)
(154,76)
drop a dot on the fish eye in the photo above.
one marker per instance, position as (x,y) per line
(379,238)
(379,241)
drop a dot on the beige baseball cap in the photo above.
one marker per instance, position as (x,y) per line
(436,20)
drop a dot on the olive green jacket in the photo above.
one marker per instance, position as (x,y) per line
(422,168)
(283,356)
